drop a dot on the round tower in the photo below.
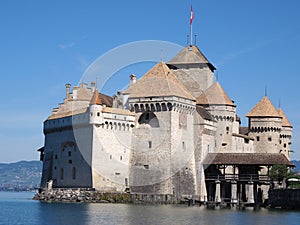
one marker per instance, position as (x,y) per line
(285,135)
(223,110)
(265,125)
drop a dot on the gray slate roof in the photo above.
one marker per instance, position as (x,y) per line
(204,113)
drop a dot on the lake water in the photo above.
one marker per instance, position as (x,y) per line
(18,208)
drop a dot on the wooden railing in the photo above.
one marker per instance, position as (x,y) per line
(236,177)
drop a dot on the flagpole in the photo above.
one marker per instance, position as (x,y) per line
(191,25)
(191,36)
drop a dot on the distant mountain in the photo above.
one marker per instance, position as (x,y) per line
(297,164)
(20,176)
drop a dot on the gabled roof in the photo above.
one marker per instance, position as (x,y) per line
(191,55)
(246,159)
(96,100)
(285,121)
(264,108)
(106,99)
(159,81)
(214,95)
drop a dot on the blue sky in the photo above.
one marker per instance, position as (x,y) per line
(46,44)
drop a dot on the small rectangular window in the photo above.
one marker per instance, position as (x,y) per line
(269,139)
(150,144)
(146,167)
(257,138)
(62,173)
(73,173)
(183,145)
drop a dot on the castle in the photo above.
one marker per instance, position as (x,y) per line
(173,132)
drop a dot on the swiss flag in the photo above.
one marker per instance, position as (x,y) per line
(192,15)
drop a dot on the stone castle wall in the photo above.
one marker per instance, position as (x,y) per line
(266,133)
(196,80)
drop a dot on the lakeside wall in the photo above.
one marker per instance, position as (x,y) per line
(86,195)
(284,198)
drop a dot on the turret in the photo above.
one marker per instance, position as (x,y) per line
(285,135)
(265,124)
(223,110)
(96,109)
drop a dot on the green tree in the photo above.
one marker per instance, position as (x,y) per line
(278,172)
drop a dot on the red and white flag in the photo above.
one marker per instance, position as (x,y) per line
(192,15)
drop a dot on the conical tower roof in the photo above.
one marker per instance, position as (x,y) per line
(264,108)
(191,55)
(214,95)
(96,100)
(285,121)
(159,81)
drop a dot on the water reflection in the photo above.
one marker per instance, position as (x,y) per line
(90,214)
(63,213)
(22,210)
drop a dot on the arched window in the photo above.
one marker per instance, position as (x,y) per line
(170,107)
(158,108)
(149,118)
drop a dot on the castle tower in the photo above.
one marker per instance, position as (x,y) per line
(193,70)
(96,109)
(265,124)
(111,142)
(285,135)
(223,110)
(162,159)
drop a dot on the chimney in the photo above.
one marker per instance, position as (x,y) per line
(93,86)
(68,91)
(132,79)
